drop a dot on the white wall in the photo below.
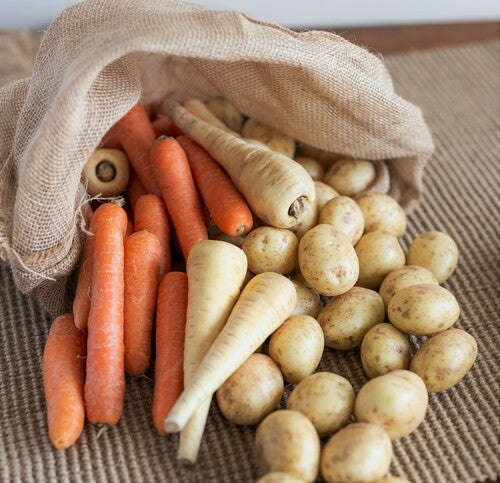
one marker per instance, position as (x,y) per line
(36,14)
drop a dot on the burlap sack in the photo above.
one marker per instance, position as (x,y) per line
(98,58)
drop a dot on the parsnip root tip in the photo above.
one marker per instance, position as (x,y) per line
(297,207)
(172,426)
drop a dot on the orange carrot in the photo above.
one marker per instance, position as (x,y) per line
(136,136)
(227,207)
(151,215)
(142,263)
(105,382)
(163,126)
(179,192)
(111,140)
(170,327)
(63,379)
(135,190)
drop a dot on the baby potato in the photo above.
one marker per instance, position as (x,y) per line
(279,477)
(382,213)
(297,347)
(308,301)
(324,194)
(396,401)
(379,253)
(402,278)
(226,113)
(384,349)
(313,167)
(435,251)
(390,479)
(273,139)
(328,261)
(423,309)
(359,452)
(309,221)
(252,392)
(344,214)
(350,177)
(287,441)
(347,318)
(270,249)
(326,399)
(444,359)
(326,158)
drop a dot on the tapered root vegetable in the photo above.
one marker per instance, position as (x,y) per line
(106,172)
(63,379)
(205,114)
(266,301)
(273,139)
(226,113)
(278,189)
(216,271)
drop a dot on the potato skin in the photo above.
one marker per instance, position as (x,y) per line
(344,214)
(226,112)
(382,213)
(308,301)
(358,452)
(435,251)
(391,479)
(444,359)
(350,177)
(273,139)
(402,278)
(279,477)
(423,309)
(252,392)
(270,249)
(328,261)
(379,253)
(326,399)
(384,349)
(313,167)
(287,441)
(396,401)
(347,318)
(297,347)
(324,193)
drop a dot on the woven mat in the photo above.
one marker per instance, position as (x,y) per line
(458,90)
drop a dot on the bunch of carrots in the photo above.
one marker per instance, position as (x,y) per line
(126,289)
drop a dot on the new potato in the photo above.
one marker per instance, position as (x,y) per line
(309,221)
(308,301)
(326,399)
(313,167)
(226,113)
(382,213)
(444,359)
(273,139)
(324,193)
(279,477)
(350,176)
(344,215)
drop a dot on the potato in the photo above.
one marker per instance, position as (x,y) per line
(270,249)
(347,318)
(252,392)
(308,301)
(328,261)
(313,167)
(287,441)
(382,213)
(379,253)
(344,215)
(390,479)
(359,452)
(309,221)
(326,158)
(396,401)
(106,172)
(226,113)
(384,349)
(402,278)
(324,193)
(273,139)
(435,251)
(423,309)
(279,477)
(297,347)
(326,399)
(350,176)
(444,359)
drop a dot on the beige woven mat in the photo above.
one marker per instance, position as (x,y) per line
(458,90)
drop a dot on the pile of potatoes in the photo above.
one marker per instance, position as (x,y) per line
(356,288)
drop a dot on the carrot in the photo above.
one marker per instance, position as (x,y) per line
(179,192)
(142,264)
(163,126)
(266,301)
(105,382)
(111,140)
(215,271)
(63,379)
(135,190)
(157,108)
(170,327)
(227,207)
(136,136)
(151,214)
(279,190)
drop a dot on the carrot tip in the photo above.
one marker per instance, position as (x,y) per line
(103,428)
(241,230)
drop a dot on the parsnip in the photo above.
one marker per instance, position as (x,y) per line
(264,304)
(205,114)
(278,189)
(215,271)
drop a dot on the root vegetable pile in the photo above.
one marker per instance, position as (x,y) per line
(296,256)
